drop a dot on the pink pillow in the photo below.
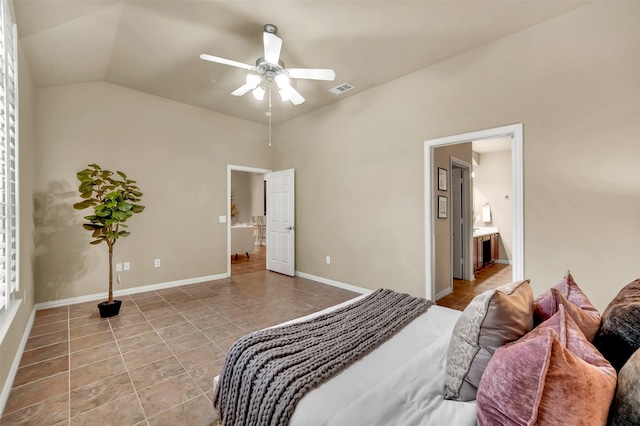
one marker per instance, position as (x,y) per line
(551,376)
(575,302)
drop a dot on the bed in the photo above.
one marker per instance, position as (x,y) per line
(404,380)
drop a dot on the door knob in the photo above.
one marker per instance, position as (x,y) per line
(290,228)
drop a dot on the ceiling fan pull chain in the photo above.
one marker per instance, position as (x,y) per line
(269,114)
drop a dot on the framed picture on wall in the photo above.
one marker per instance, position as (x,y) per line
(442,179)
(442,207)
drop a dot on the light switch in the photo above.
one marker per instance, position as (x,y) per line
(222,219)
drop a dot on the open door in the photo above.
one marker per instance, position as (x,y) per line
(281,247)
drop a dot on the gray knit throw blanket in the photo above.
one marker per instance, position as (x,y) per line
(267,372)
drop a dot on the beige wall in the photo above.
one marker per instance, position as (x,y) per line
(491,184)
(257,194)
(442,227)
(242,195)
(574,82)
(10,344)
(179,156)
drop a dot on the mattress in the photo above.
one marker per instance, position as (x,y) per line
(401,382)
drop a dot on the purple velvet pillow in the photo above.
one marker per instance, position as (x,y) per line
(575,302)
(551,376)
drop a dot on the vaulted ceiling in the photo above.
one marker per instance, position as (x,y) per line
(153,46)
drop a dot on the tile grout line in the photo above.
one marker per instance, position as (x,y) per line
(172,354)
(126,368)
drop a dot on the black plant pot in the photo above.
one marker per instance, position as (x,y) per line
(109,310)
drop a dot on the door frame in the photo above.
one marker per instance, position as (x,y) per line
(467,248)
(230,168)
(515,131)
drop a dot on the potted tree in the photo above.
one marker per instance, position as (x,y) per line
(114,200)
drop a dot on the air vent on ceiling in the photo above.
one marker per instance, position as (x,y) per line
(344,87)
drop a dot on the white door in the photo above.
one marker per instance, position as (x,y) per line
(281,247)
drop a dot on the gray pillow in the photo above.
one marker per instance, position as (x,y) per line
(625,409)
(492,319)
(619,334)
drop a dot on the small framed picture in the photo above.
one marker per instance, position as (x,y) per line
(442,179)
(442,207)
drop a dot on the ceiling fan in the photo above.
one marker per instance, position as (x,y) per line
(270,70)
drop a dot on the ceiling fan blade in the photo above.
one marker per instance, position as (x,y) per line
(296,98)
(253,81)
(226,62)
(272,47)
(312,74)
(242,89)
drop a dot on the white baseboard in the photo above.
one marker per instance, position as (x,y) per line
(333,283)
(444,293)
(6,390)
(127,291)
(503,261)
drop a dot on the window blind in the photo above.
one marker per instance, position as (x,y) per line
(8,159)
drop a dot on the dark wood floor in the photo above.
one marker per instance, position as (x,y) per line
(463,291)
(257,261)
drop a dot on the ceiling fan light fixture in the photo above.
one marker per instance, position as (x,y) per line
(282,81)
(258,93)
(254,80)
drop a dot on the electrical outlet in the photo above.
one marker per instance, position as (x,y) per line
(118,267)
(156,263)
(328,260)
(127,266)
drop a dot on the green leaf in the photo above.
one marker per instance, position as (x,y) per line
(136,208)
(121,174)
(92,226)
(84,175)
(123,206)
(124,233)
(83,204)
(137,193)
(94,242)
(96,233)
(118,215)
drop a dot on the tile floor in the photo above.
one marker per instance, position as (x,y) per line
(463,291)
(154,363)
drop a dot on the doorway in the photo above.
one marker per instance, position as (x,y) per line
(461,252)
(244,218)
(515,132)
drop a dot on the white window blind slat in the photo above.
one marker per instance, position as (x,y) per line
(9,238)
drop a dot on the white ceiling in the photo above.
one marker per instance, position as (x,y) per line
(153,46)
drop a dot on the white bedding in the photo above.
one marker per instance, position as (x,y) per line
(399,383)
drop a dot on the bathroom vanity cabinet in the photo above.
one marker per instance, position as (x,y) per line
(486,249)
